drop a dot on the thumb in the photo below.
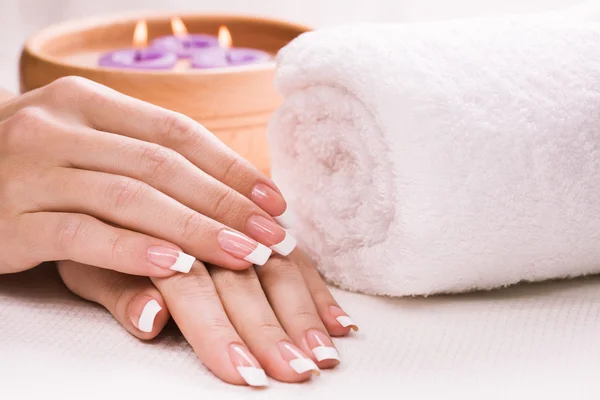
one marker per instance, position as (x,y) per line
(133,300)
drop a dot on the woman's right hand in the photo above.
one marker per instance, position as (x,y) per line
(90,175)
(276,320)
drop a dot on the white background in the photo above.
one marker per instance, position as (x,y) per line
(21,18)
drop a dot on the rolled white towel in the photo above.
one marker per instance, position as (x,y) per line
(443,157)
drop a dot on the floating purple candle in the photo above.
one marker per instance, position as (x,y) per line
(139,58)
(184,46)
(225,56)
(214,57)
(181,42)
(204,51)
(219,57)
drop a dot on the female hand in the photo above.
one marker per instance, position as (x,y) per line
(276,319)
(91,175)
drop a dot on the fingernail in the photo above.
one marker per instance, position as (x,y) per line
(172,259)
(271,234)
(342,318)
(286,219)
(247,366)
(241,246)
(272,202)
(296,359)
(321,346)
(146,321)
(286,246)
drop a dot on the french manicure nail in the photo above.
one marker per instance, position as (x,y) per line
(343,318)
(296,359)
(271,234)
(286,246)
(241,246)
(247,366)
(149,312)
(174,260)
(321,346)
(286,219)
(272,202)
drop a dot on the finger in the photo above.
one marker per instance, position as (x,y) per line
(138,206)
(11,105)
(172,174)
(108,110)
(197,310)
(132,300)
(291,300)
(337,321)
(255,321)
(47,236)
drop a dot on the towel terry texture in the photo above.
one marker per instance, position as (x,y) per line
(443,157)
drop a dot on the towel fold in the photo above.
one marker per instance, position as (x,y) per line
(443,157)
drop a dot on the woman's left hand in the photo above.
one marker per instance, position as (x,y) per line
(276,318)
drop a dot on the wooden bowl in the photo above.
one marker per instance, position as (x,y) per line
(234,103)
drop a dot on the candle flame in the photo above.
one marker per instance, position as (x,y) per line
(225,37)
(178,27)
(140,34)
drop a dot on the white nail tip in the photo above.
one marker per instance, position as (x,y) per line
(146,322)
(253,376)
(286,219)
(184,263)
(259,255)
(286,246)
(302,365)
(326,353)
(345,321)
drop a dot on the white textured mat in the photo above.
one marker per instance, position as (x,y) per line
(539,340)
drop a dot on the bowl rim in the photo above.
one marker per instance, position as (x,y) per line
(33,43)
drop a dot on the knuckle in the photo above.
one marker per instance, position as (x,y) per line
(24,124)
(226,279)
(197,286)
(176,130)
(226,203)
(25,128)
(69,230)
(308,317)
(322,296)
(219,324)
(192,226)
(284,263)
(119,286)
(69,84)
(118,290)
(157,159)
(70,90)
(231,172)
(118,247)
(27,117)
(280,268)
(270,328)
(123,192)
